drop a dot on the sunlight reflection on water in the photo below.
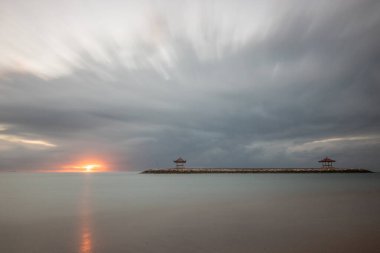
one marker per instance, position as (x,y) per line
(85,218)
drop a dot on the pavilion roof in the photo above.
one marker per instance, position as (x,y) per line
(180,160)
(327,159)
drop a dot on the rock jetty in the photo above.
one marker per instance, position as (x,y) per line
(253,170)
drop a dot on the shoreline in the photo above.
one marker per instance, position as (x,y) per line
(252,170)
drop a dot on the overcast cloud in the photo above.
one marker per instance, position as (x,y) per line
(221,83)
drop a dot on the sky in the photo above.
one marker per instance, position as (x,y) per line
(136,84)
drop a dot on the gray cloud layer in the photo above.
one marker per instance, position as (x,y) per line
(300,84)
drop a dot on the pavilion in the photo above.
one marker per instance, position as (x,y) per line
(180,163)
(327,162)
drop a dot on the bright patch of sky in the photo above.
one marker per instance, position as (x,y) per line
(47,38)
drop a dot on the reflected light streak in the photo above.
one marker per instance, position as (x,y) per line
(86,240)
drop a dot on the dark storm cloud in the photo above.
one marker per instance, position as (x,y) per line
(307,88)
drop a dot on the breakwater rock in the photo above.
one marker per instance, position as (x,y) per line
(253,170)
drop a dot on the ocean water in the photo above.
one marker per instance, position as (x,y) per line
(131,212)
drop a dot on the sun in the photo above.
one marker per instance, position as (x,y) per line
(86,167)
(91,167)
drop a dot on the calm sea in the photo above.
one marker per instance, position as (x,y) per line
(131,212)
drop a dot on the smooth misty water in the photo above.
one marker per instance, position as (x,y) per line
(130,212)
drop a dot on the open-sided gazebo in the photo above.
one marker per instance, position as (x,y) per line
(327,162)
(179,163)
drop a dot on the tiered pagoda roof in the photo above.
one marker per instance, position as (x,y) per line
(180,160)
(327,160)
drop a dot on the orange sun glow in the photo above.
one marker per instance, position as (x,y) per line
(86,167)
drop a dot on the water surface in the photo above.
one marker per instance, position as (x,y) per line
(130,212)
